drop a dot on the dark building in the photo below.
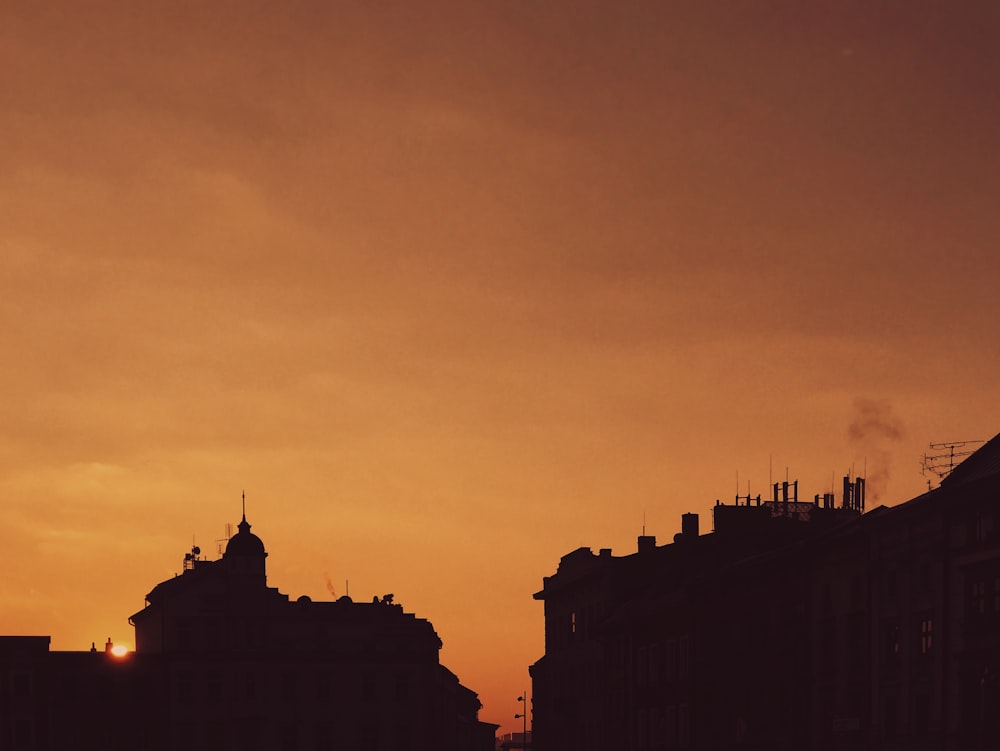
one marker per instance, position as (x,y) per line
(224,661)
(792,625)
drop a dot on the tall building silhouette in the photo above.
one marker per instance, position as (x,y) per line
(223,661)
(792,625)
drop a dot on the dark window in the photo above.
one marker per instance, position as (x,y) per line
(855,592)
(213,687)
(683,657)
(24,733)
(889,717)
(921,713)
(977,598)
(684,725)
(671,726)
(890,584)
(671,659)
(642,667)
(892,635)
(926,643)
(185,686)
(924,576)
(20,685)
(369,737)
(655,665)
(996,594)
(402,686)
(324,685)
(288,686)
(250,686)
(368,687)
(402,737)
(982,526)
(185,638)
(324,738)
(289,737)
(828,649)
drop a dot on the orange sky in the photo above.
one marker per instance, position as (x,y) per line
(453,288)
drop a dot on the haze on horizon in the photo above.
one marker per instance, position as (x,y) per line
(451,289)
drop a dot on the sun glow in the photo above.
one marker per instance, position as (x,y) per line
(119,650)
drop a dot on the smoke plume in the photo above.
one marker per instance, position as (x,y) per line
(874,429)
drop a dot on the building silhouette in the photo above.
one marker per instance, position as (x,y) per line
(792,625)
(223,661)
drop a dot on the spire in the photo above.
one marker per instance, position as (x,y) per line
(244,525)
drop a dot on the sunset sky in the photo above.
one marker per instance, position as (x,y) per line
(451,289)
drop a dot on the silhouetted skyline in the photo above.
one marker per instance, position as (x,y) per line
(448,287)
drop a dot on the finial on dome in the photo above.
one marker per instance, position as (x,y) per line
(244,506)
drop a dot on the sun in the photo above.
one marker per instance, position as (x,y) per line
(119,650)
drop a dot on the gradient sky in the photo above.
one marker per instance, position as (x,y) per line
(453,288)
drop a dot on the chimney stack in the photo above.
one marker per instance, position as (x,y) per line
(647,543)
(689,525)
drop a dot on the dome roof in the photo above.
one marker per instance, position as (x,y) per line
(245,542)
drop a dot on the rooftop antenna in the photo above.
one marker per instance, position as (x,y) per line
(644,522)
(942,464)
(244,505)
(220,543)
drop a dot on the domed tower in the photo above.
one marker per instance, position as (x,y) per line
(245,554)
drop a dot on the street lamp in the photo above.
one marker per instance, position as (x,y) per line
(523,716)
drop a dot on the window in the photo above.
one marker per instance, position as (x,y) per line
(572,622)
(213,687)
(250,686)
(996,594)
(684,725)
(924,576)
(185,686)
(977,598)
(20,685)
(889,717)
(684,657)
(890,584)
(402,686)
(324,685)
(892,634)
(926,635)
(982,526)
(368,687)
(671,659)
(671,726)
(921,713)
(288,687)
(655,665)
(855,592)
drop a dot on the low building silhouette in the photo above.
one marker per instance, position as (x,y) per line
(792,625)
(223,661)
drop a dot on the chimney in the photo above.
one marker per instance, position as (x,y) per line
(859,494)
(689,526)
(647,543)
(847,492)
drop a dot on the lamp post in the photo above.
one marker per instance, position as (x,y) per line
(524,720)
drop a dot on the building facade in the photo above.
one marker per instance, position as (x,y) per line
(223,661)
(792,625)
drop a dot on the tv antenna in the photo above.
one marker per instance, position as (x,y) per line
(949,455)
(220,545)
